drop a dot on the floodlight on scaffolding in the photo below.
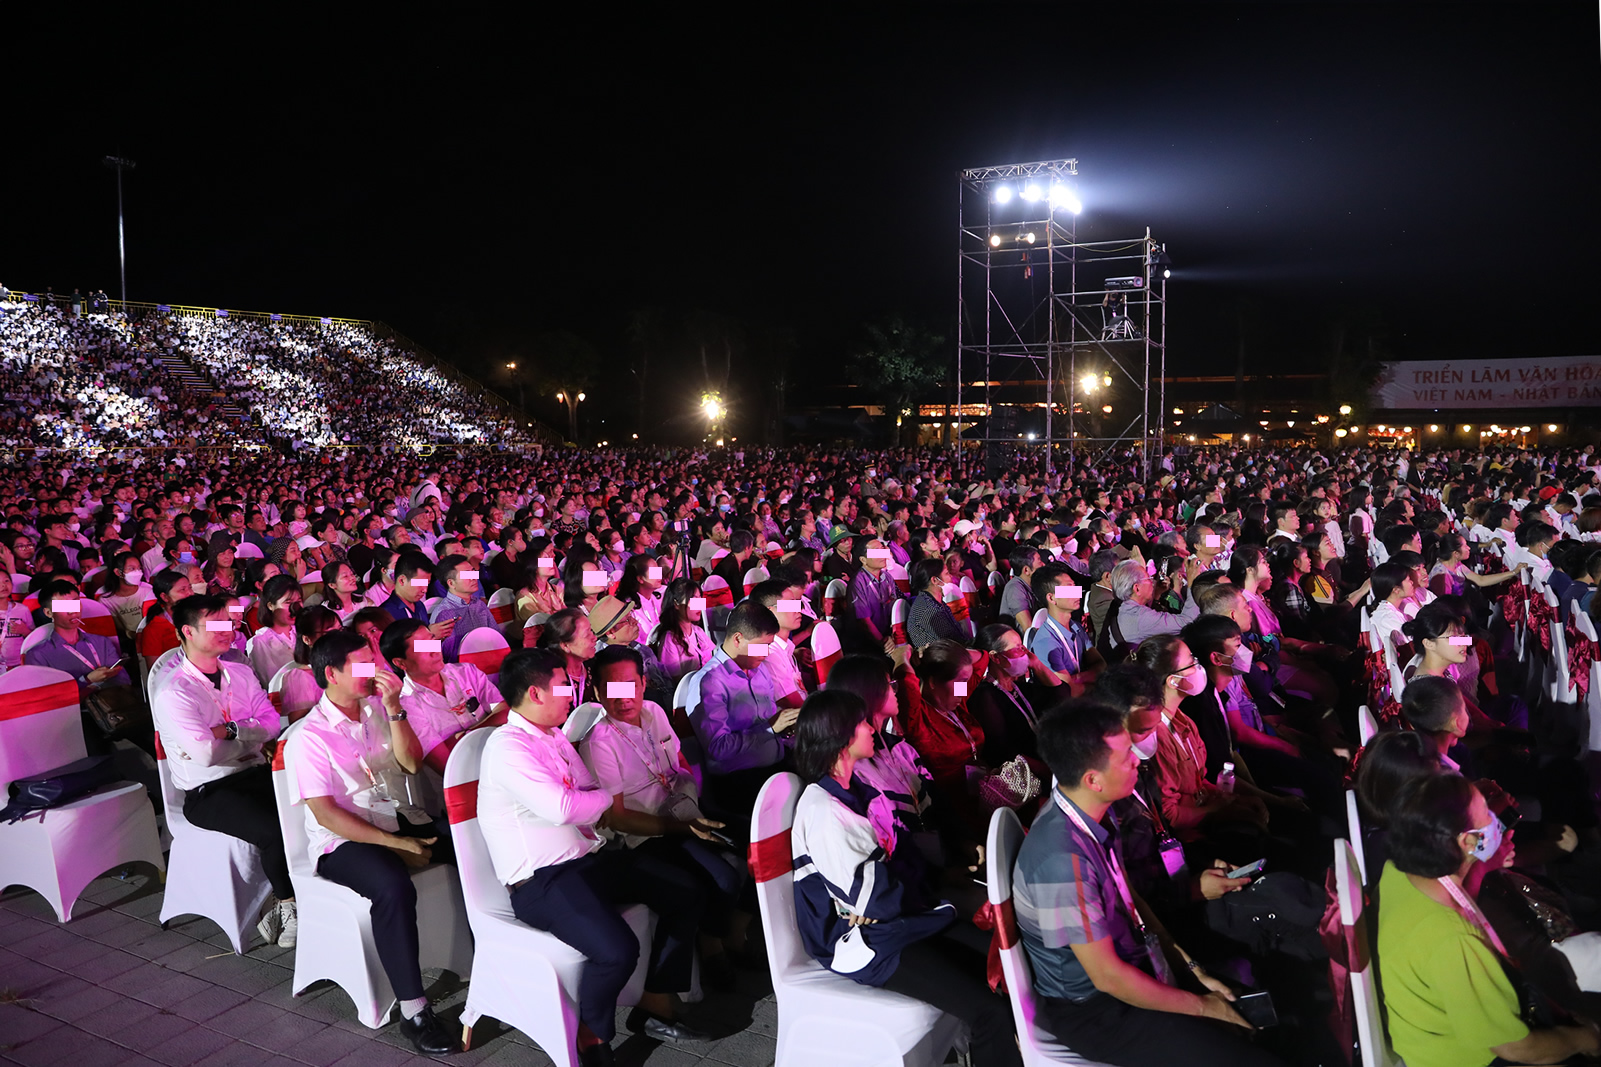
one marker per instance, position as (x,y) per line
(1062,199)
(1031,192)
(712,405)
(995,240)
(1090,383)
(1003,194)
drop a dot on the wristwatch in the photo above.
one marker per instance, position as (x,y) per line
(399,716)
(233,730)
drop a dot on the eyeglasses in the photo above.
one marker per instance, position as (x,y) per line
(1184,669)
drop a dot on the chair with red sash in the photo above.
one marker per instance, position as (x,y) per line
(503,606)
(997,583)
(97,618)
(970,593)
(897,622)
(59,851)
(823,1017)
(836,596)
(754,577)
(523,977)
(826,651)
(336,941)
(209,874)
(485,649)
(1364,990)
(37,636)
(902,580)
(1006,948)
(718,595)
(957,601)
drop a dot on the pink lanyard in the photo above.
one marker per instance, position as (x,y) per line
(1473,914)
(1153,946)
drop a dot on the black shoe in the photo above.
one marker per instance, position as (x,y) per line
(597,1056)
(428,1034)
(672,1033)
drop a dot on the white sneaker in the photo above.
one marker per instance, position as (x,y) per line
(272,923)
(291,924)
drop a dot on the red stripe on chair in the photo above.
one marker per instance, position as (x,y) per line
(100,625)
(44,698)
(461,802)
(488,660)
(277,702)
(161,750)
(440,753)
(1001,921)
(278,757)
(771,857)
(719,598)
(502,613)
(826,665)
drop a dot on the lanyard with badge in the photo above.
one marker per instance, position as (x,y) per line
(1473,914)
(380,801)
(1069,647)
(1153,944)
(659,773)
(1020,701)
(1168,847)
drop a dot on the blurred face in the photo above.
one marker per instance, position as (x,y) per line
(789,620)
(64,612)
(1122,769)
(345,679)
(863,741)
(370,633)
(206,638)
(181,588)
(626,632)
(623,680)
(423,664)
(463,587)
(1442,648)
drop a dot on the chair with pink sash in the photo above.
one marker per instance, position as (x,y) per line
(485,648)
(57,852)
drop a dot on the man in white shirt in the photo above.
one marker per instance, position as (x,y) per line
(441,700)
(213,718)
(541,812)
(346,763)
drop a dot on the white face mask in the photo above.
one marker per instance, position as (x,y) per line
(133,577)
(1243,659)
(1017,665)
(1147,748)
(1489,839)
(1191,681)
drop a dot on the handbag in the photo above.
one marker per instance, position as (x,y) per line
(1014,785)
(57,787)
(119,711)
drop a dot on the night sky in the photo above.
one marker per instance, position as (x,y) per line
(1424,174)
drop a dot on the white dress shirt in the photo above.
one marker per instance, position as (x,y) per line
(641,763)
(188,706)
(781,667)
(435,718)
(537,802)
(298,690)
(349,761)
(270,652)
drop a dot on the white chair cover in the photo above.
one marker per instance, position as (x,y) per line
(59,851)
(1374,1043)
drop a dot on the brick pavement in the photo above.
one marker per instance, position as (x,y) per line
(113,989)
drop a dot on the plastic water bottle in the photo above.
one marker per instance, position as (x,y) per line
(1225,778)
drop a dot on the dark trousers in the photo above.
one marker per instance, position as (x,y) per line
(1111,1031)
(243,805)
(579,901)
(379,874)
(718,879)
(732,797)
(948,972)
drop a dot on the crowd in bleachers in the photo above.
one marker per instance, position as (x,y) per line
(692,681)
(79,375)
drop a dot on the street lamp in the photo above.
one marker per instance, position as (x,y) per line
(118,164)
(512,366)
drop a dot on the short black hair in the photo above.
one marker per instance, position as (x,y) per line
(751,621)
(827,722)
(276,588)
(396,639)
(866,676)
(1387,763)
(191,609)
(1429,814)
(528,668)
(449,565)
(412,564)
(1208,634)
(332,650)
(1429,702)
(1073,737)
(1126,684)
(613,654)
(58,587)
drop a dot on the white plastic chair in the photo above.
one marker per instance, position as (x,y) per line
(160,671)
(503,605)
(97,618)
(581,720)
(1367,726)
(485,648)
(209,874)
(1353,821)
(524,977)
(823,1017)
(826,651)
(754,577)
(336,940)
(37,636)
(59,851)
(1370,1035)
(1000,856)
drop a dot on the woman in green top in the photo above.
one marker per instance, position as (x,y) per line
(1449,1000)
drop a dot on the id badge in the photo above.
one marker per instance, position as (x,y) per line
(1172,857)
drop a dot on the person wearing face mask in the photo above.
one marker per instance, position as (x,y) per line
(1018,687)
(273,644)
(125,592)
(1193,804)
(1446,992)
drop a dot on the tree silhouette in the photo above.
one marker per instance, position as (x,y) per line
(898,362)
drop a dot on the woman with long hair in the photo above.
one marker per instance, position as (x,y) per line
(1450,574)
(341,592)
(541,591)
(298,691)
(638,588)
(125,593)
(681,644)
(222,578)
(866,886)
(159,635)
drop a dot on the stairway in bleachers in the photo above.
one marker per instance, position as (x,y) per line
(201,382)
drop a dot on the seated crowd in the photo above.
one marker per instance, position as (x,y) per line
(1162,680)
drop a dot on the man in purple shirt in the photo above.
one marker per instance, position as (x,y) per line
(872,590)
(738,721)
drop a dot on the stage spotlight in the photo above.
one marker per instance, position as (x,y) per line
(1089,383)
(1062,198)
(1106,409)
(1029,237)
(1031,437)
(1550,427)
(1003,194)
(1161,265)
(1340,432)
(1345,409)
(1031,192)
(995,240)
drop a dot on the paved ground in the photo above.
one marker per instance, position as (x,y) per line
(113,989)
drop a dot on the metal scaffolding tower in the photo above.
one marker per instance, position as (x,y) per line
(1059,341)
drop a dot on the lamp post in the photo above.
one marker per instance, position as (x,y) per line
(118,164)
(512,366)
(572,401)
